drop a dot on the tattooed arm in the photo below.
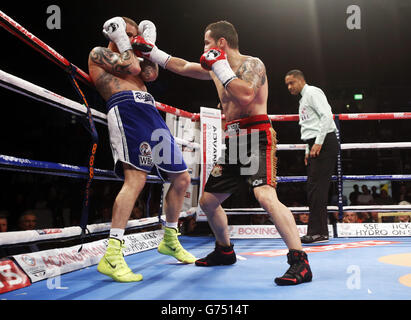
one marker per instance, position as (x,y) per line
(251,77)
(116,64)
(108,68)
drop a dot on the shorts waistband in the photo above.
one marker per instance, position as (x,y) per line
(260,122)
(311,142)
(131,95)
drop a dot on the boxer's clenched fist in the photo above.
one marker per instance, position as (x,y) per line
(145,49)
(216,60)
(148,30)
(114,30)
(210,57)
(140,46)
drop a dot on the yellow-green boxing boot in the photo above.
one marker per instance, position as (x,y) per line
(171,246)
(113,264)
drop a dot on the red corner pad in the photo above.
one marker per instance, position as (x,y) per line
(11,276)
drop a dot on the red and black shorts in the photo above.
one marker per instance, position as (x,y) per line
(249,157)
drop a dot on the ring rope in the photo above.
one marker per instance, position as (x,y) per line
(23,34)
(371,177)
(17,237)
(352,146)
(20,32)
(359,208)
(27,165)
(38,93)
(34,166)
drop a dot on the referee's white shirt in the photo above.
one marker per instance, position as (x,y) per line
(316,117)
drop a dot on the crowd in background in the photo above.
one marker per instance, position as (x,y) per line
(35,201)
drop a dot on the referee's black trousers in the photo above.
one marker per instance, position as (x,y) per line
(319,172)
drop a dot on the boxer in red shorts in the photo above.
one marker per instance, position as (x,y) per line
(242,87)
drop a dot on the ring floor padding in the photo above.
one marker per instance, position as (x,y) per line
(342,269)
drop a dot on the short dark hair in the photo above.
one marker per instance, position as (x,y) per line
(223,29)
(295,73)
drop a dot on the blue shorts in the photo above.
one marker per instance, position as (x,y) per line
(140,137)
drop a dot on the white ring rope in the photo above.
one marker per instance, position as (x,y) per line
(38,93)
(352,146)
(15,237)
(363,208)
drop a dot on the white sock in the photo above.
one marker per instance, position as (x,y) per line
(172,225)
(117,233)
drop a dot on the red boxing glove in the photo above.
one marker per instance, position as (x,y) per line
(210,57)
(216,60)
(141,46)
(145,49)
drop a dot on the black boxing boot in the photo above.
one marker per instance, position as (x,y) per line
(221,256)
(299,270)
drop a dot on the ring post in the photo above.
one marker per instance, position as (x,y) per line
(339,177)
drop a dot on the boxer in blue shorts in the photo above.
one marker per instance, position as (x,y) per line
(140,140)
(140,137)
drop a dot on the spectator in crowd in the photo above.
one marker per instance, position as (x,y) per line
(368,217)
(187,225)
(138,211)
(28,221)
(384,198)
(404,218)
(365,197)
(350,217)
(302,218)
(402,193)
(336,216)
(363,217)
(354,195)
(3,223)
(104,215)
(373,217)
(374,192)
(260,219)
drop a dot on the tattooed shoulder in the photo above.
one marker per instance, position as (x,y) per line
(101,56)
(253,71)
(111,61)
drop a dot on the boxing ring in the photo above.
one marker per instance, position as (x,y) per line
(361,261)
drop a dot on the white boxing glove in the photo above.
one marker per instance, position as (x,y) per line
(148,31)
(114,30)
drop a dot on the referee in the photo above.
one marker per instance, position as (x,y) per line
(318,131)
